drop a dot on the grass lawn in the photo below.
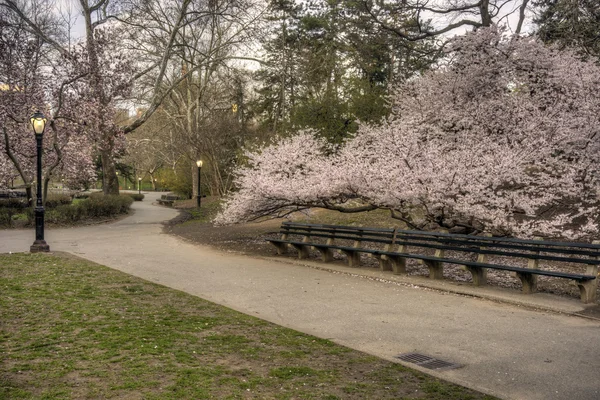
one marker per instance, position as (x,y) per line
(72,329)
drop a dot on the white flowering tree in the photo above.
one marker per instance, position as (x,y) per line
(33,78)
(503,138)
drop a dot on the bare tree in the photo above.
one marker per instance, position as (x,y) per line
(415,20)
(158,33)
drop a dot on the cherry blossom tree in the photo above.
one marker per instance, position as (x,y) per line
(32,78)
(502,138)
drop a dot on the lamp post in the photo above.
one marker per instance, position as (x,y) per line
(38,123)
(198,198)
(140,185)
(118,182)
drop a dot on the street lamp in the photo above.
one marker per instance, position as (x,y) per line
(199,164)
(38,124)
(118,182)
(140,185)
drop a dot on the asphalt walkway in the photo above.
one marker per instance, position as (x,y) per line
(507,349)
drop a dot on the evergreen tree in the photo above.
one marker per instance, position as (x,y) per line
(329,66)
(571,23)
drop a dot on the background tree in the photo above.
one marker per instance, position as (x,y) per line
(328,65)
(156,33)
(570,23)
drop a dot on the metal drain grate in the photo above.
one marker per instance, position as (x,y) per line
(427,362)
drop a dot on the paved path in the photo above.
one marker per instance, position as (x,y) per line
(508,351)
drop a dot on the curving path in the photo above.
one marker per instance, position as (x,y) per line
(508,351)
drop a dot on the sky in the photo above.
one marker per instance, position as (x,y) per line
(510,15)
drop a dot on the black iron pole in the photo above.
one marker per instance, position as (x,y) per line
(40,244)
(199,197)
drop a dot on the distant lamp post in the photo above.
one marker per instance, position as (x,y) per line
(38,124)
(140,185)
(199,197)
(118,182)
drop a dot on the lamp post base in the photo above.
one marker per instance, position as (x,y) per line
(39,246)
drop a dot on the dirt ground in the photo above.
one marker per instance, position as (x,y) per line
(252,238)
(245,239)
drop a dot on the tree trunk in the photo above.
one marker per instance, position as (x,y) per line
(110,183)
(29,193)
(484,10)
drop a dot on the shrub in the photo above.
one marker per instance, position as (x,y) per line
(82,195)
(54,200)
(98,205)
(65,214)
(95,206)
(135,196)
(6,215)
(16,203)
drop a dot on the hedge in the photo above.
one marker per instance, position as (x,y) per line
(94,207)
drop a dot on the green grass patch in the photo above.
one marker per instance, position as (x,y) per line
(207,211)
(72,329)
(374,218)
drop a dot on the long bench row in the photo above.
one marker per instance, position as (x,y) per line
(392,247)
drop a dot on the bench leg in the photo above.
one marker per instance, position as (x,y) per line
(326,254)
(353,258)
(478,274)
(436,271)
(302,251)
(384,263)
(282,248)
(588,290)
(529,282)
(398,264)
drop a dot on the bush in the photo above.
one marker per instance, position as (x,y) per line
(6,215)
(95,206)
(98,205)
(65,214)
(81,195)
(54,200)
(15,203)
(135,196)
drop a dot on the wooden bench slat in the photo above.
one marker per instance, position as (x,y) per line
(476,250)
(444,260)
(536,246)
(498,240)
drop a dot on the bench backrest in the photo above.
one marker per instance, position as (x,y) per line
(583,253)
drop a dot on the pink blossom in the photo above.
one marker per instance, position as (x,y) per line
(503,138)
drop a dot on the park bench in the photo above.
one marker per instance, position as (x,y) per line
(167,199)
(392,247)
